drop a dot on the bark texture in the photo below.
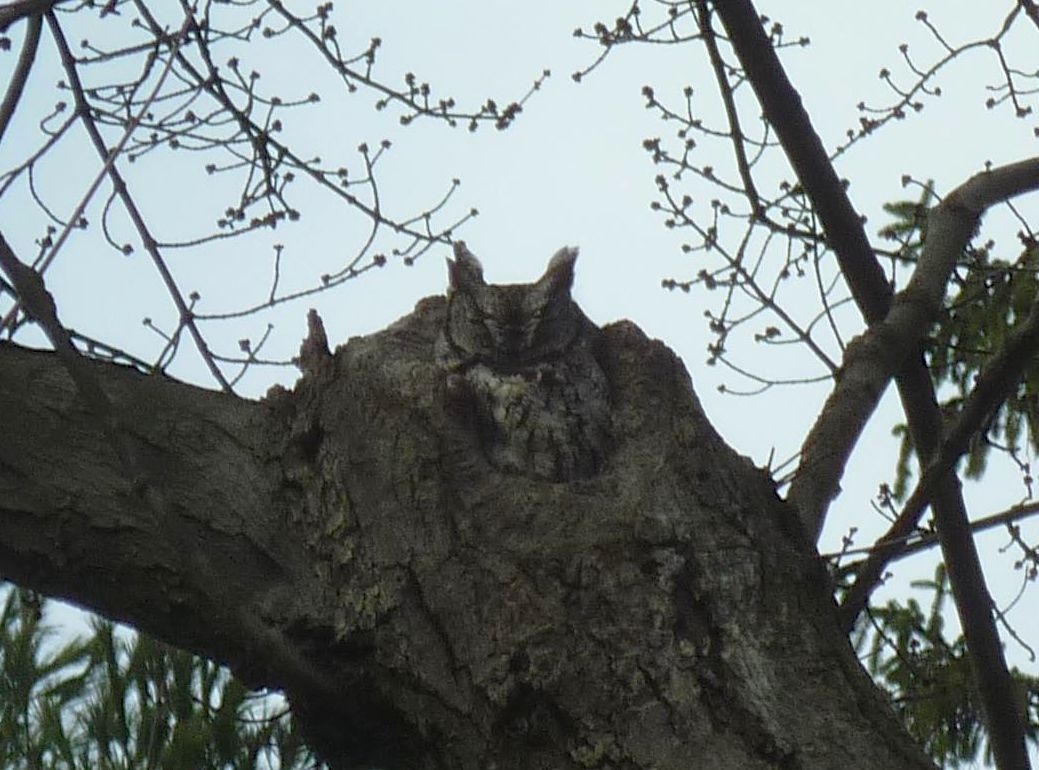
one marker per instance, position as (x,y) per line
(348,541)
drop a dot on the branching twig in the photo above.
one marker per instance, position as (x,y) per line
(149,242)
(731,113)
(916,541)
(73,221)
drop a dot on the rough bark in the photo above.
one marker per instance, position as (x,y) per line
(349,542)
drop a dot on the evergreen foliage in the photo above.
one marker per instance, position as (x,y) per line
(928,675)
(990,297)
(117,700)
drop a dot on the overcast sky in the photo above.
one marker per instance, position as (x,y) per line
(571,171)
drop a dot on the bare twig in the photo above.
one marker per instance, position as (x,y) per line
(916,541)
(731,113)
(107,157)
(417,99)
(73,220)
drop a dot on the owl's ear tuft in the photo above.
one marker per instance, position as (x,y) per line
(560,271)
(465,269)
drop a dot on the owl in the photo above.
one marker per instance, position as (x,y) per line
(523,356)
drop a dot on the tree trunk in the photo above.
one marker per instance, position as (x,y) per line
(349,542)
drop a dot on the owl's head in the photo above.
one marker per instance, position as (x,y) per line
(511,324)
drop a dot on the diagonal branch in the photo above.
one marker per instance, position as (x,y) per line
(954,220)
(119,184)
(72,221)
(783,108)
(732,114)
(150,495)
(22,9)
(921,541)
(845,234)
(21,73)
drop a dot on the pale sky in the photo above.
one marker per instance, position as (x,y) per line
(571,171)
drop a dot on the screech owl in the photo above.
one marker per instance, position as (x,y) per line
(523,354)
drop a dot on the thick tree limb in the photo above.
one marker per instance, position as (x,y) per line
(872,359)
(73,525)
(156,507)
(666,613)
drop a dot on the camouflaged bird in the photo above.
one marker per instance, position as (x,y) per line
(523,355)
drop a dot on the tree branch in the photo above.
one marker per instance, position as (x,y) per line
(950,226)
(21,73)
(911,544)
(783,108)
(72,524)
(148,486)
(121,190)
(461,617)
(21,9)
(732,114)
(825,462)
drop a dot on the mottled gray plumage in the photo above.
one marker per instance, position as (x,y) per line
(522,354)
